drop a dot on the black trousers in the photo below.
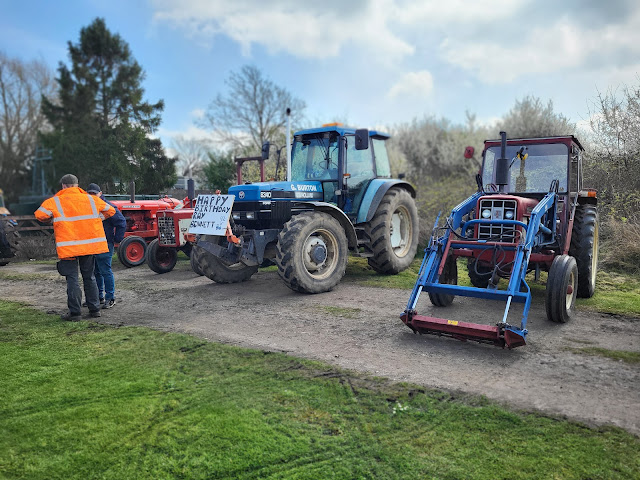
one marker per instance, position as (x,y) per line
(69,269)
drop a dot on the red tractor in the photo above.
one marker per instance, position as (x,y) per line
(142,226)
(530,213)
(173,235)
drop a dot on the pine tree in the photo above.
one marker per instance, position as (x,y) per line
(100,121)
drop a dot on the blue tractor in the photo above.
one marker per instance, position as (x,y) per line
(340,199)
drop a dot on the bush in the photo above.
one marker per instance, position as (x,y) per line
(619,246)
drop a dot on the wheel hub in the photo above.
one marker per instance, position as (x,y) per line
(315,253)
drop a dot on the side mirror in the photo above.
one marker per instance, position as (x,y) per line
(362,139)
(265,150)
(401,176)
(468,152)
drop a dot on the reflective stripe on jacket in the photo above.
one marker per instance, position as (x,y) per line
(77,222)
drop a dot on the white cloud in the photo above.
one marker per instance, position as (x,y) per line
(561,46)
(197,113)
(413,85)
(303,30)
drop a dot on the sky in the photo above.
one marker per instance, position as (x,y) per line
(373,63)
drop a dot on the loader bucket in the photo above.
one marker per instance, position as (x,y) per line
(502,335)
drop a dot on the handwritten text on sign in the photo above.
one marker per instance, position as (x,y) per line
(211,214)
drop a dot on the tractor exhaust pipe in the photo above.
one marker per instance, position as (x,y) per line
(132,189)
(191,189)
(288,147)
(502,164)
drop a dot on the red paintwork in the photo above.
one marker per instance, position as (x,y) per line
(179,214)
(462,330)
(135,252)
(141,215)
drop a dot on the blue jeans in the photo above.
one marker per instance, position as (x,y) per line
(104,274)
(69,269)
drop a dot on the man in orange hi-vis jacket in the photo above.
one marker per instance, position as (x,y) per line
(77,227)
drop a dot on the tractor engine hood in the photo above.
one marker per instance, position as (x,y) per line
(252,192)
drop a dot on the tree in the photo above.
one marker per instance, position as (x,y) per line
(22,85)
(531,118)
(191,154)
(100,121)
(219,172)
(252,111)
(613,167)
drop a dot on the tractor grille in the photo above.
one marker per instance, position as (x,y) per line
(498,209)
(166,231)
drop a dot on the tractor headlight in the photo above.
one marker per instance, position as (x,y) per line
(486,213)
(251,215)
(236,216)
(508,214)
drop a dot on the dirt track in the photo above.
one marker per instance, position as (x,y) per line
(545,375)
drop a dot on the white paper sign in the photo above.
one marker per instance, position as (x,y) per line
(211,214)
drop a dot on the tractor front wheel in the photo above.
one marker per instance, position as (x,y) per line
(194,259)
(161,259)
(479,274)
(449,276)
(393,232)
(132,251)
(312,252)
(584,248)
(217,269)
(561,291)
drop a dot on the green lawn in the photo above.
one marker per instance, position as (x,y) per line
(83,400)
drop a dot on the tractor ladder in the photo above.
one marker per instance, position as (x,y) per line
(539,231)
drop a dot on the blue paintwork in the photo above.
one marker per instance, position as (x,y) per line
(252,190)
(539,232)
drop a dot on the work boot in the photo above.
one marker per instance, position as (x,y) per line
(71,317)
(109,303)
(95,314)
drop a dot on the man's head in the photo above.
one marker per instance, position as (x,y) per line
(69,180)
(94,189)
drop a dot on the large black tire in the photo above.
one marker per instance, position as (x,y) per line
(561,290)
(584,248)
(132,251)
(450,276)
(218,270)
(9,239)
(186,249)
(194,259)
(393,232)
(161,259)
(478,274)
(312,252)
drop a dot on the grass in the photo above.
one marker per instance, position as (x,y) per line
(82,400)
(619,355)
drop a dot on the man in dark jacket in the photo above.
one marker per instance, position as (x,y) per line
(114,228)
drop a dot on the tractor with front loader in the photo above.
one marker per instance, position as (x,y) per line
(530,213)
(339,198)
(8,234)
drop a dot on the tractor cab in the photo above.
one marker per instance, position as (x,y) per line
(343,160)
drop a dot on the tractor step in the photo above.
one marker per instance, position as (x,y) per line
(502,335)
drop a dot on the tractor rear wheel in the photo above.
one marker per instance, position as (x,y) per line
(312,252)
(9,238)
(217,269)
(132,251)
(393,232)
(479,274)
(161,259)
(561,291)
(584,248)
(194,259)
(449,276)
